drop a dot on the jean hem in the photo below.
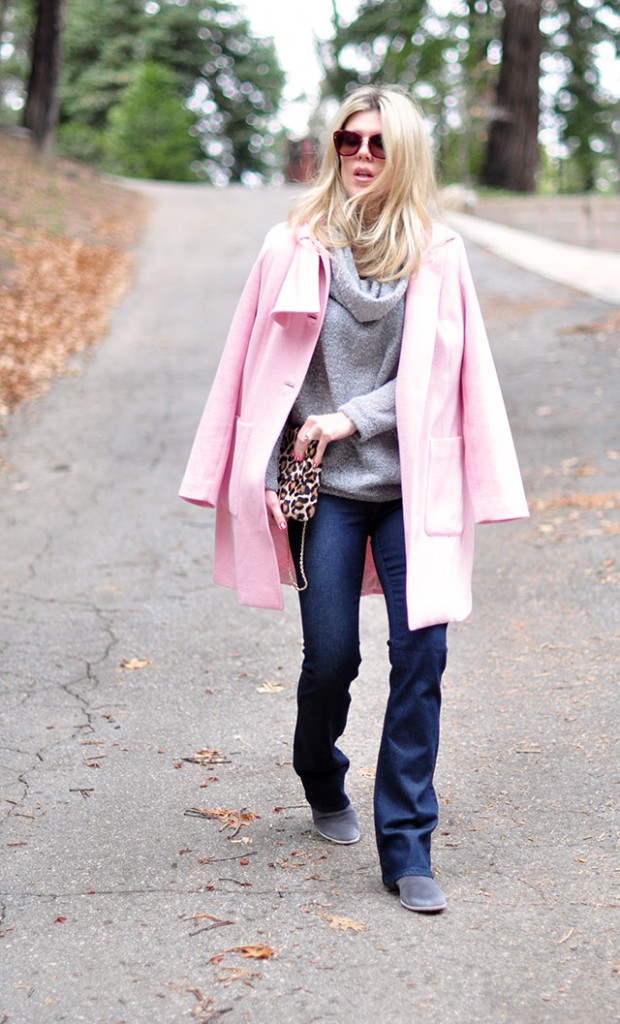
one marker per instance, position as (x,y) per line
(329,810)
(390,879)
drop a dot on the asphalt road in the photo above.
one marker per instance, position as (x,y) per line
(120,660)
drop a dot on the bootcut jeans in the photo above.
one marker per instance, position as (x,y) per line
(405,804)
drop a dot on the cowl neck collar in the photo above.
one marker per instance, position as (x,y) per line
(365,298)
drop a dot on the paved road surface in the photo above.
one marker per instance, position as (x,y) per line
(120,660)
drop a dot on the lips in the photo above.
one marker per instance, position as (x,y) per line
(362,174)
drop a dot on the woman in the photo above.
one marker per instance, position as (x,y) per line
(360,327)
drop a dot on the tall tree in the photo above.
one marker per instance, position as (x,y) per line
(584,112)
(512,152)
(41,110)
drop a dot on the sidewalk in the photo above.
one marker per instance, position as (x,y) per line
(592,271)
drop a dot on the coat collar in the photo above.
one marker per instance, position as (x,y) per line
(301,289)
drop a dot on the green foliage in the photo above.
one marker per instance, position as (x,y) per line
(16,22)
(148,130)
(229,80)
(582,111)
(233,80)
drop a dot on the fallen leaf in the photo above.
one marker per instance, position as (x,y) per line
(132,664)
(229,818)
(582,500)
(227,975)
(216,922)
(205,757)
(251,952)
(344,924)
(206,1011)
(209,781)
(270,686)
(258,952)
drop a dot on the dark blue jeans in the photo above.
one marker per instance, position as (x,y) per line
(405,801)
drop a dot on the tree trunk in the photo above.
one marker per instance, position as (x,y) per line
(41,112)
(512,149)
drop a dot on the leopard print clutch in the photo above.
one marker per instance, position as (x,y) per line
(298,492)
(298,482)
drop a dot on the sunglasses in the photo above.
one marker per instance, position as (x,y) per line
(349,143)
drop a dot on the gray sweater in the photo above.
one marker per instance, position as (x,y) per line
(353,370)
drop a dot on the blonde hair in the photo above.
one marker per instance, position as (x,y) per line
(388,226)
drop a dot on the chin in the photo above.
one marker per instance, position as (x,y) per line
(356,189)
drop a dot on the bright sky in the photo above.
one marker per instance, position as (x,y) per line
(294,26)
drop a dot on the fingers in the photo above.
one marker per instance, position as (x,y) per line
(274,510)
(323,429)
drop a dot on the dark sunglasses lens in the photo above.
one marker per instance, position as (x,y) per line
(347,143)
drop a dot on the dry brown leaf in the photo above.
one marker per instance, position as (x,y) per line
(131,664)
(205,1012)
(229,818)
(344,924)
(270,686)
(257,952)
(252,952)
(226,975)
(206,757)
(604,500)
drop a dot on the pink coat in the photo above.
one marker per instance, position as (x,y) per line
(458,461)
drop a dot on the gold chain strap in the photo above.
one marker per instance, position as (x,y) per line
(302,571)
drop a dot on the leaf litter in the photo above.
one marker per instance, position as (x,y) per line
(65,240)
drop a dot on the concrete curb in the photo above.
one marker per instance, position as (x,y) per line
(596,273)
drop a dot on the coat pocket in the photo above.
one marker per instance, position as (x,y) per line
(242,438)
(444,490)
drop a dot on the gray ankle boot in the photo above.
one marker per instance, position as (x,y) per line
(419,893)
(341,827)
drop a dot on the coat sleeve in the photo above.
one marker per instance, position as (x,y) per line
(209,454)
(491,466)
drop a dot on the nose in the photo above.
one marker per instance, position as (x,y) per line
(365,149)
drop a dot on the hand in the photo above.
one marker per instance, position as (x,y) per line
(330,427)
(274,510)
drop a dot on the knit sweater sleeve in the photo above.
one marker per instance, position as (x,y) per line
(373,413)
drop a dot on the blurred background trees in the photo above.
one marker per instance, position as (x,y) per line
(128,63)
(513,91)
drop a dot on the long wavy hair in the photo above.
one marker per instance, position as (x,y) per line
(387,226)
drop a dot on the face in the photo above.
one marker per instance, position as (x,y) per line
(357,172)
